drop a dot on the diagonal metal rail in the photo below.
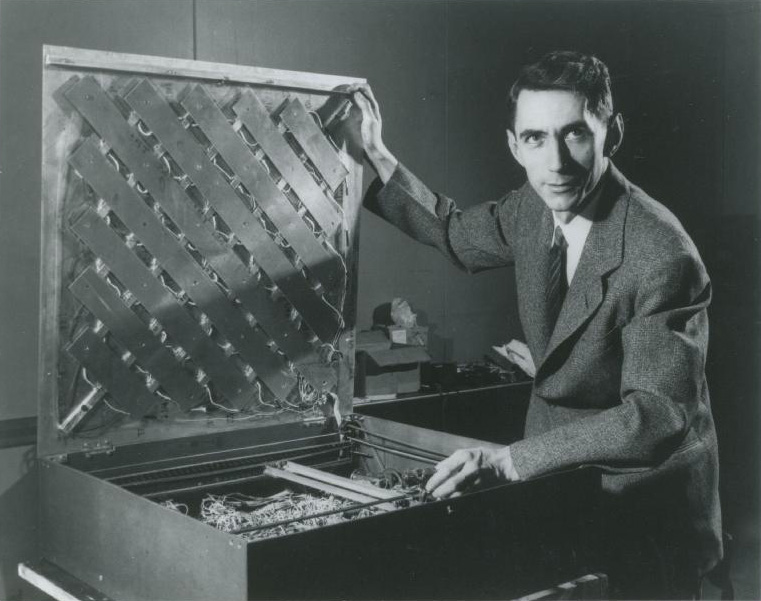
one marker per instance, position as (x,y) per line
(258,182)
(313,142)
(91,101)
(188,154)
(127,204)
(160,302)
(184,295)
(258,122)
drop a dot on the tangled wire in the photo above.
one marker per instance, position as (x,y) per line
(233,512)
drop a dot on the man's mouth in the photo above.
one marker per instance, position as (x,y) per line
(563,186)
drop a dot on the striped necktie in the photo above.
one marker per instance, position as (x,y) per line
(556,284)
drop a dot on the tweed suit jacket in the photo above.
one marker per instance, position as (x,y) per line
(620,380)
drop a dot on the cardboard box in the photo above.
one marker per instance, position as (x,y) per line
(417,336)
(389,371)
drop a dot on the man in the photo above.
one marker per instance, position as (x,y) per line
(612,297)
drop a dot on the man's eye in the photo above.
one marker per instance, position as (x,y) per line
(577,133)
(533,139)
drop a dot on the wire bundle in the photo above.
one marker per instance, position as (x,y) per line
(231,513)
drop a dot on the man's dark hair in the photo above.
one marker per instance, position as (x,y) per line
(566,70)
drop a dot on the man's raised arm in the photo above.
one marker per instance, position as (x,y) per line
(474,239)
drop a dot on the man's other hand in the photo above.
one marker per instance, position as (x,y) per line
(517,352)
(469,468)
(371,130)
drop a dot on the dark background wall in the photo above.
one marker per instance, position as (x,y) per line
(686,76)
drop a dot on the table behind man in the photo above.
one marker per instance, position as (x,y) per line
(612,296)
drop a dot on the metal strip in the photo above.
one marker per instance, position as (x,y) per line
(316,146)
(125,387)
(57,583)
(192,454)
(180,265)
(208,468)
(324,265)
(163,306)
(102,114)
(317,485)
(255,117)
(235,481)
(162,120)
(103,302)
(355,485)
(399,443)
(77,58)
(393,451)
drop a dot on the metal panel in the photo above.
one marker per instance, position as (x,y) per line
(162,120)
(180,265)
(232,148)
(177,253)
(101,113)
(132,548)
(314,142)
(103,302)
(57,583)
(127,388)
(163,306)
(255,117)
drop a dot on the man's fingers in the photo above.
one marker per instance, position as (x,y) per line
(519,353)
(435,481)
(519,348)
(456,480)
(457,483)
(519,360)
(368,91)
(444,470)
(362,92)
(364,105)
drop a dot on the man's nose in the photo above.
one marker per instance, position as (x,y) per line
(557,155)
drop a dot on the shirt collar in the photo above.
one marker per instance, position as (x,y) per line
(577,229)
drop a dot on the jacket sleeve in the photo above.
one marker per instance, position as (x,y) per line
(474,239)
(663,381)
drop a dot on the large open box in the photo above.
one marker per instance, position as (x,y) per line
(198,316)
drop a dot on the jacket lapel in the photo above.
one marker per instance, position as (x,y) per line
(532,280)
(536,285)
(603,252)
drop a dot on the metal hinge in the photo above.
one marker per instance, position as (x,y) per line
(101,447)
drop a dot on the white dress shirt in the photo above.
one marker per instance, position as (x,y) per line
(575,233)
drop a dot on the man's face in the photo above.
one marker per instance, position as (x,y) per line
(561,145)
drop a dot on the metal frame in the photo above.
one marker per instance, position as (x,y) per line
(79,58)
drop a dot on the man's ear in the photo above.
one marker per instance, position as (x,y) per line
(615,135)
(512,144)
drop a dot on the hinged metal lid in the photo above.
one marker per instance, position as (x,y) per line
(199,245)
